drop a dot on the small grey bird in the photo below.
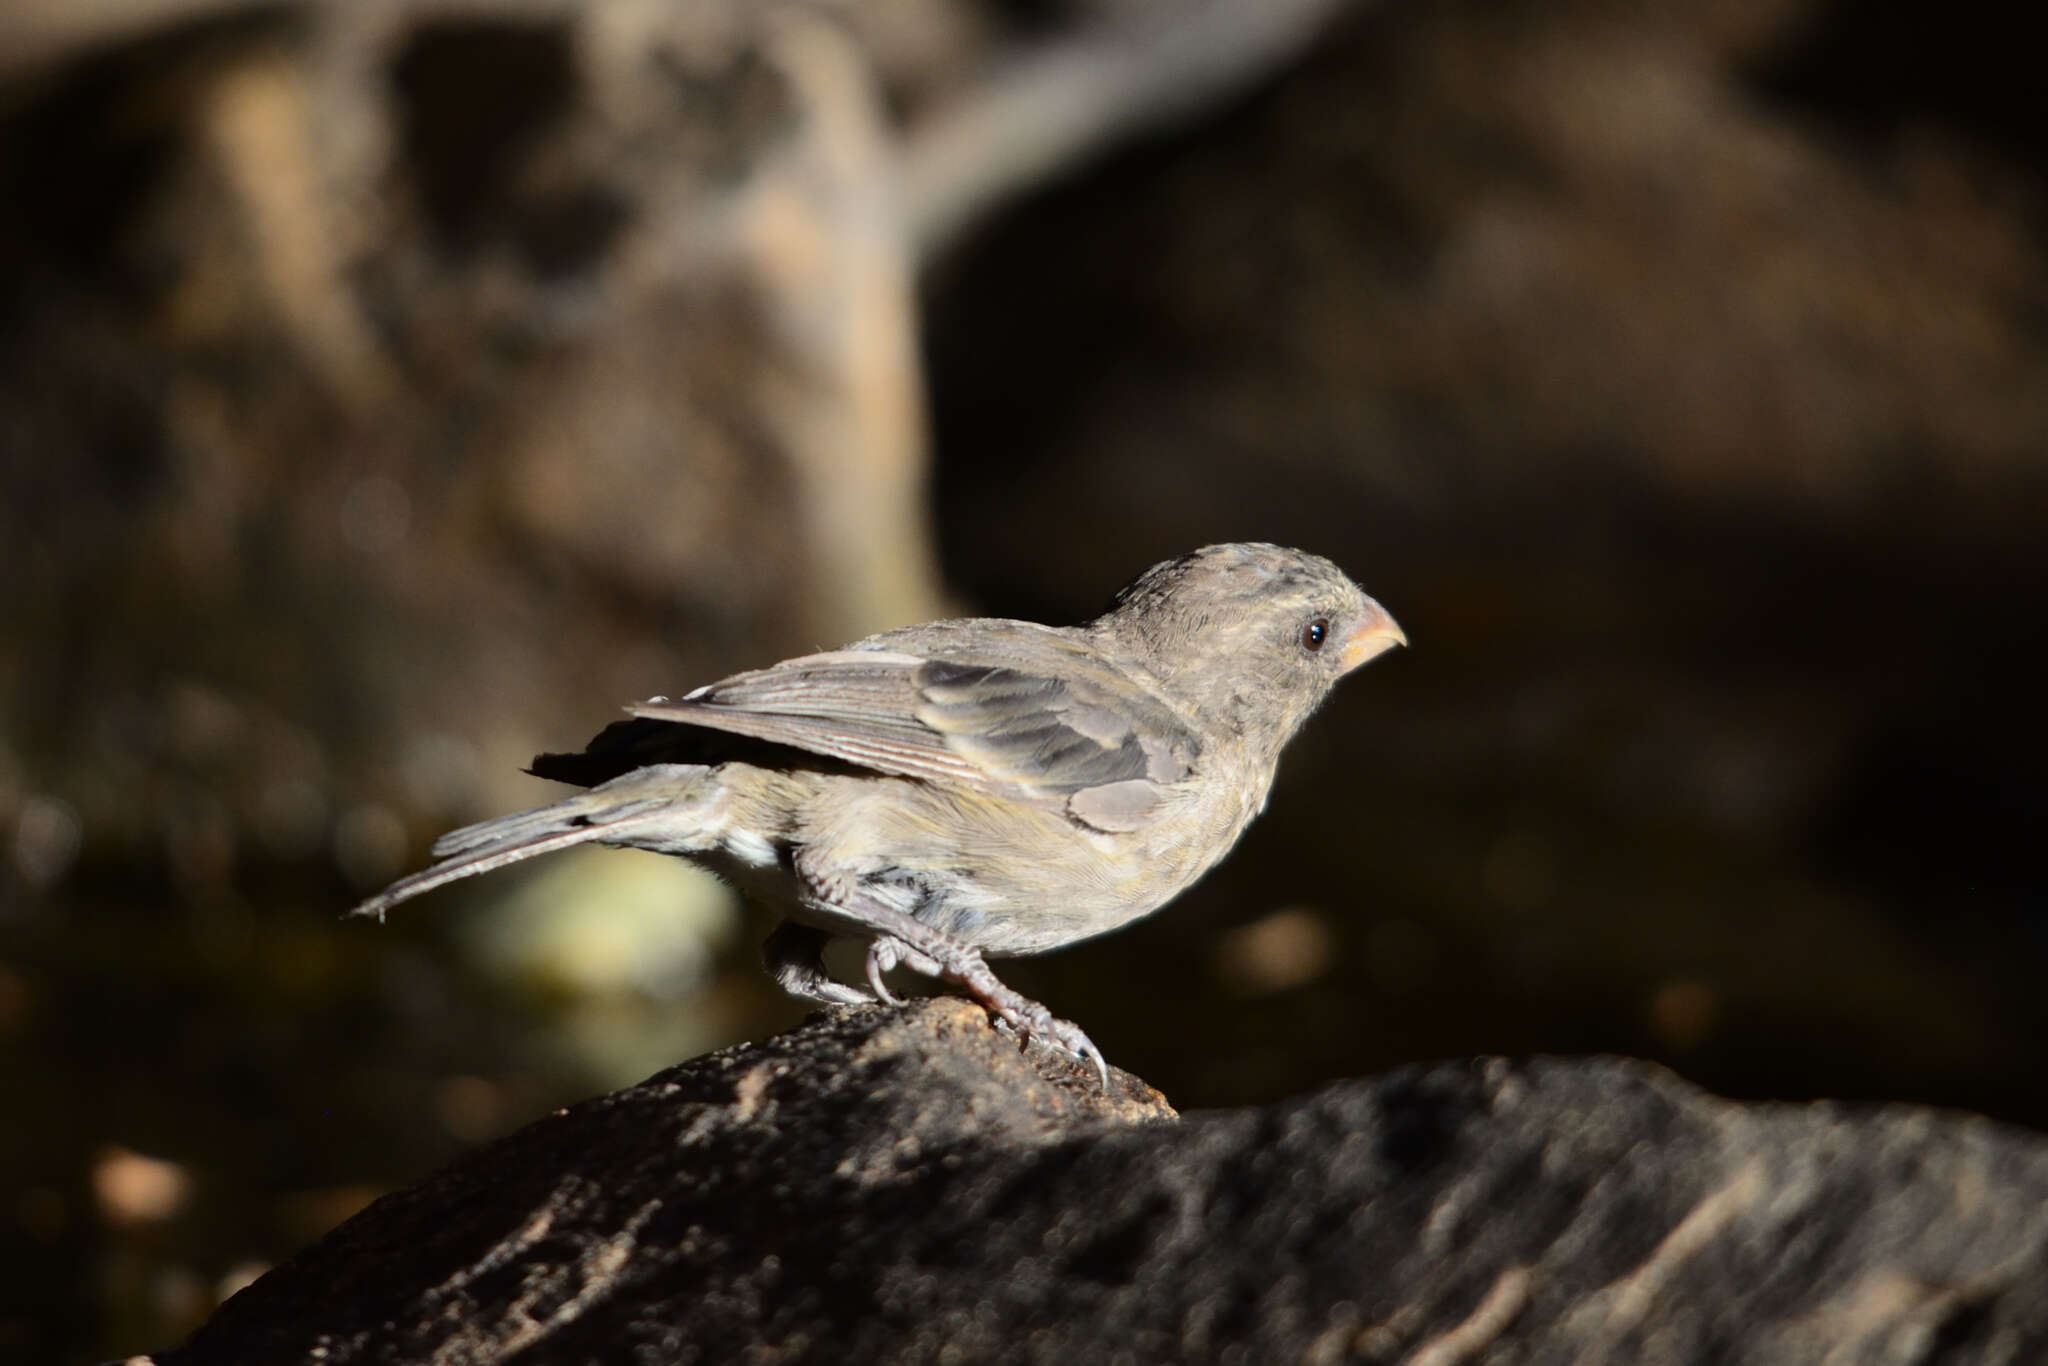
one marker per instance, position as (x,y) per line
(969,789)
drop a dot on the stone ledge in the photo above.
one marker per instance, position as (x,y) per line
(904,1185)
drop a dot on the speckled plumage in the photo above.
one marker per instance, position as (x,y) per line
(970,788)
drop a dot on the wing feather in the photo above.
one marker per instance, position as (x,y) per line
(1011,710)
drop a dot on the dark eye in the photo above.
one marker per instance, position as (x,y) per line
(1315,633)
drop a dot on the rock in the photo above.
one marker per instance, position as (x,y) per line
(907,1186)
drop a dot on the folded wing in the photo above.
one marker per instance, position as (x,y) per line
(1003,708)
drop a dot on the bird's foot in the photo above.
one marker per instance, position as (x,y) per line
(900,938)
(826,991)
(1036,1024)
(795,956)
(1016,1015)
(1019,1014)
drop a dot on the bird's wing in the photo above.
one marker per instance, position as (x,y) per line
(1008,709)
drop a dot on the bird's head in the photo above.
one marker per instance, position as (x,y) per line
(1252,636)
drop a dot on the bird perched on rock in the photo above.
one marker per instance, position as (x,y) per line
(969,789)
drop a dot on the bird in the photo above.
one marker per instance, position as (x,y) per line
(968,789)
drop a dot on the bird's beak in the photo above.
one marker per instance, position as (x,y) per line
(1374,635)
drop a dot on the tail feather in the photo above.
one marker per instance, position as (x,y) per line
(602,813)
(480,861)
(520,827)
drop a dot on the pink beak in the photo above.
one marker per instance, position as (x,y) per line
(1375,635)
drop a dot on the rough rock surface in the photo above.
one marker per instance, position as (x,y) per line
(906,1186)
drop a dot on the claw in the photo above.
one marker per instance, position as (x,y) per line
(881,957)
(1084,1050)
(1032,1023)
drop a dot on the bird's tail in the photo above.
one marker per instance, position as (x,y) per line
(660,793)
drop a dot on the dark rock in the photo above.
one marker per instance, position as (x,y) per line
(905,1185)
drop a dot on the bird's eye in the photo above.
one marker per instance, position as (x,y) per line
(1314,634)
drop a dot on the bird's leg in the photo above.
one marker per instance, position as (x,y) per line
(795,955)
(901,937)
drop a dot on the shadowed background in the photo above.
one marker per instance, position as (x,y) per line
(388,391)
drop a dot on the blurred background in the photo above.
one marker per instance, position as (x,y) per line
(391,388)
